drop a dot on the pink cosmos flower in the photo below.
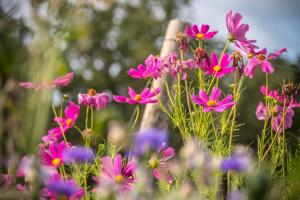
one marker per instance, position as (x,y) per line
(160,164)
(93,99)
(200,33)
(71,115)
(58,82)
(53,156)
(262,59)
(146,96)
(117,174)
(219,69)
(212,103)
(261,111)
(283,119)
(152,68)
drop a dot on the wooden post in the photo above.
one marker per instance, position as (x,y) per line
(153,116)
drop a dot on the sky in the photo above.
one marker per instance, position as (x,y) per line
(273,23)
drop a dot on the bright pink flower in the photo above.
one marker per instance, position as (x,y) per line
(146,96)
(117,174)
(219,69)
(153,68)
(212,103)
(160,164)
(53,156)
(71,115)
(261,111)
(237,31)
(200,33)
(58,82)
(262,59)
(93,99)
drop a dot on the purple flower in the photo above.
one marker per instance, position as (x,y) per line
(78,155)
(151,139)
(261,111)
(211,103)
(283,119)
(200,33)
(93,99)
(57,188)
(239,161)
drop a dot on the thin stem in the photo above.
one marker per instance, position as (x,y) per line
(136,117)
(224,50)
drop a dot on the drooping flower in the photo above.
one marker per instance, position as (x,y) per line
(237,31)
(263,60)
(219,69)
(56,188)
(94,99)
(53,156)
(153,68)
(78,155)
(71,115)
(211,103)
(282,119)
(261,111)
(159,162)
(117,175)
(201,58)
(58,82)
(146,96)
(239,161)
(176,66)
(182,42)
(200,33)
(149,140)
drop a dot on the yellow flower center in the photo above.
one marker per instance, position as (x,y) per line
(56,162)
(211,103)
(217,68)
(137,97)
(200,36)
(69,121)
(261,57)
(153,164)
(91,92)
(62,197)
(119,179)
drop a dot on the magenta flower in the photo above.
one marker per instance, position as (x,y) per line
(93,99)
(58,82)
(262,59)
(146,96)
(152,68)
(212,103)
(117,174)
(53,156)
(71,115)
(160,164)
(200,33)
(219,69)
(261,111)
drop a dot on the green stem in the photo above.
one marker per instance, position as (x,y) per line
(136,117)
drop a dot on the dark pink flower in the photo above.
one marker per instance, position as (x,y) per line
(200,33)
(65,123)
(93,99)
(219,69)
(116,174)
(212,103)
(262,59)
(53,156)
(58,82)
(153,68)
(159,162)
(146,96)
